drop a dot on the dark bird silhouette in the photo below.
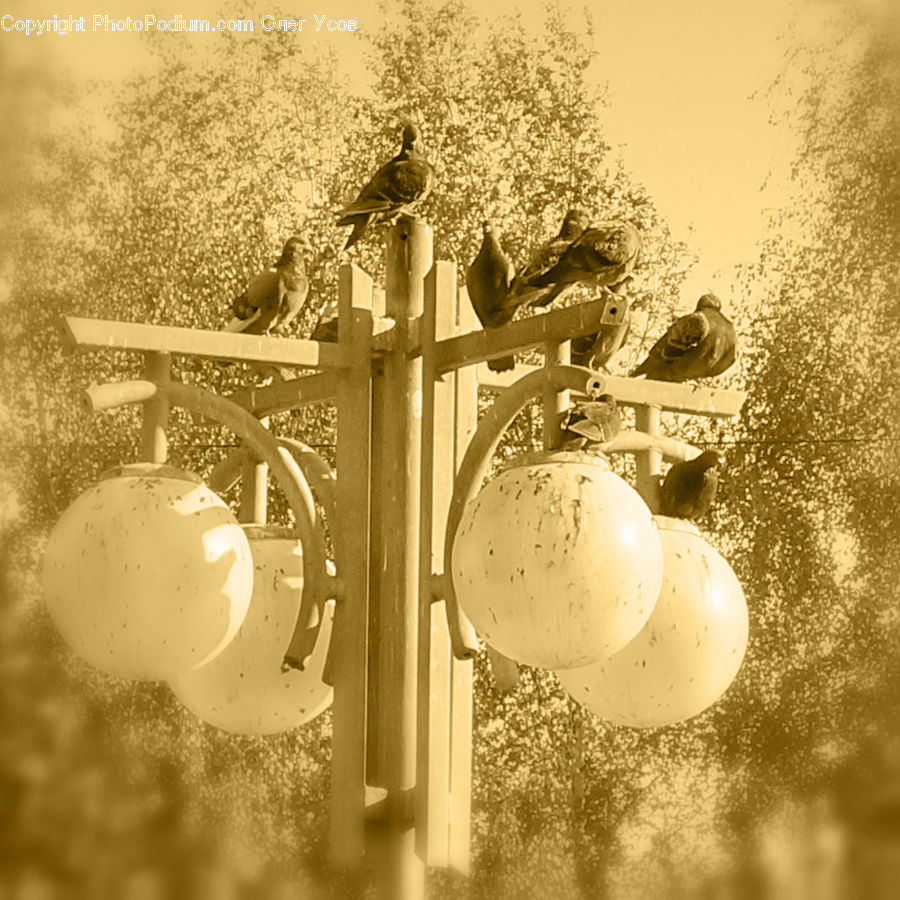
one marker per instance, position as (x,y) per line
(596,350)
(698,345)
(393,189)
(602,256)
(488,280)
(689,488)
(545,257)
(326,329)
(504,670)
(274,297)
(591,422)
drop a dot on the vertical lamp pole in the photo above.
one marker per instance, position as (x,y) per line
(394,613)
(410,451)
(556,353)
(648,463)
(154,443)
(401,745)
(351,548)
(254,487)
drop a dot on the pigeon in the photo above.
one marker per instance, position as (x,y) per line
(596,350)
(488,280)
(546,256)
(326,328)
(689,488)
(274,297)
(603,256)
(393,189)
(592,422)
(698,345)
(504,670)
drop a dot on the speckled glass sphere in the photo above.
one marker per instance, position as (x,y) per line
(689,651)
(557,562)
(147,573)
(244,689)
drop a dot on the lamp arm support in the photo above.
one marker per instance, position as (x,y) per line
(318,474)
(474,468)
(282,465)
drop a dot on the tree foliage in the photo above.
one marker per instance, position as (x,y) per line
(161,208)
(158,210)
(816,460)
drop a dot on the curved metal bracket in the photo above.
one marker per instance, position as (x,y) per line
(318,474)
(474,468)
(318,479)
(283,464)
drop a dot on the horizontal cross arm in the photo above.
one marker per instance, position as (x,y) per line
(681,398)
(290,394)
(249,348)
(635,442)
(558,325)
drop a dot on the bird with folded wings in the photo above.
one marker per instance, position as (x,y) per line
(274,297)
(699,345)
(393,190)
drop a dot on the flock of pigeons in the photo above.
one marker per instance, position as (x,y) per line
(699,345)
(689,488)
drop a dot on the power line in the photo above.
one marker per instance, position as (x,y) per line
(193,446)
(794,441)
(700,443)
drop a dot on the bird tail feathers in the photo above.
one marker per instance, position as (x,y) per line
(364,208)
(502,363)
(360,224)
(237,324)
(550,296)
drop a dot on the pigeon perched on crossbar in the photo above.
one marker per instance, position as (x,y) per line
(274,297)
(699,345)
(689,488)
(597,349)
(545,257)
(603,256)
(488,280)
(396,187)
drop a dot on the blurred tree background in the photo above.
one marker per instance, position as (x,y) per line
(158,203)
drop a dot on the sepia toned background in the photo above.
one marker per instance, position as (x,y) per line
(148,177)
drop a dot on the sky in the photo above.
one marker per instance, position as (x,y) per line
(689,109)
(688,83)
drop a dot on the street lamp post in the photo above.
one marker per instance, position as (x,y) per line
(410,455)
